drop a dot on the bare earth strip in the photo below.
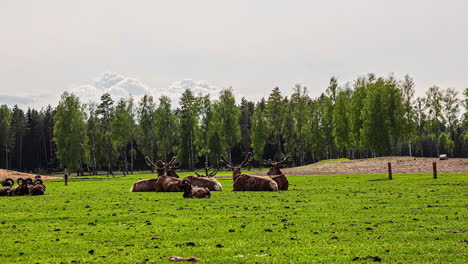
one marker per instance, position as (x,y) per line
(15,174)
(380,165)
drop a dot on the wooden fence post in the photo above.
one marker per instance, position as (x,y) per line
(390,171)
(434,169)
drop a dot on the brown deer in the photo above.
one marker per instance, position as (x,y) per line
(244,182)
(276,174)
(207,180)
(163,183)
(171,166)
(193,191)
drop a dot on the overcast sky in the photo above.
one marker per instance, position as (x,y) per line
(47,47)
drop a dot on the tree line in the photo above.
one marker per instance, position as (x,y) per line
(370,117)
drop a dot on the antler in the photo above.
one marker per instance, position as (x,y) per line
(207,171)
(283,161)
(173,163)
(275,163)
(227,163)
(247,159)
(213,173)
(268,162)
(160,162)
(149,162)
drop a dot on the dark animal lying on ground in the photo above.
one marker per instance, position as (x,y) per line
(22,188)
(276,174)
(244,182)
(7,186)
(193,191)
(38,188)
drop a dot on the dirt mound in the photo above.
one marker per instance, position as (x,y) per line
(16,174)
(380,165)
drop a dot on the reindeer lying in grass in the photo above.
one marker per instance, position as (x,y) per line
(276,174)
(207,180)
(193,191)
(163,183)
(170,181)
(7,185)
(244,182)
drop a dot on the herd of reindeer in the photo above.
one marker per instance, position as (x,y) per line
(25,187)
(200,186)
(168,180)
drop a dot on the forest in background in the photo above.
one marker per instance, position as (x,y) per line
(370,117)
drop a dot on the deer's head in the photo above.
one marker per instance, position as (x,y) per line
(237,170)
(275,166)
(159,170)
(171,166)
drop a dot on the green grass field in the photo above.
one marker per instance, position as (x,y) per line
(321,219)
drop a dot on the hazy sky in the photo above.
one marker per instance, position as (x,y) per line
(47,47)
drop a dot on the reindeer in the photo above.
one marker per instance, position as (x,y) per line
(7,185)
(171,166)
(244,182)
(276,174)
(193,191)
(163,183)
(38,188)
(207,180)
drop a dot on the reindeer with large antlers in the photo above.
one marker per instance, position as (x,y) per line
(276,174)
(207,180)
(163,183)
(244,182)
(171,166)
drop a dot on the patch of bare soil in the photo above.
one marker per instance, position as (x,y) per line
(380,165)
(16,174)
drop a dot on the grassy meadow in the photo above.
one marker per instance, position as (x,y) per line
(321,219)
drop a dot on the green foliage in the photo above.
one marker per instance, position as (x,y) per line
(341,120)
(323,219)
(146,138)
(445,143)
(70,132)
(275,113)
(229,117)
(189,125)
(5,130)
(245,122)
(165,125)
(260,132)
